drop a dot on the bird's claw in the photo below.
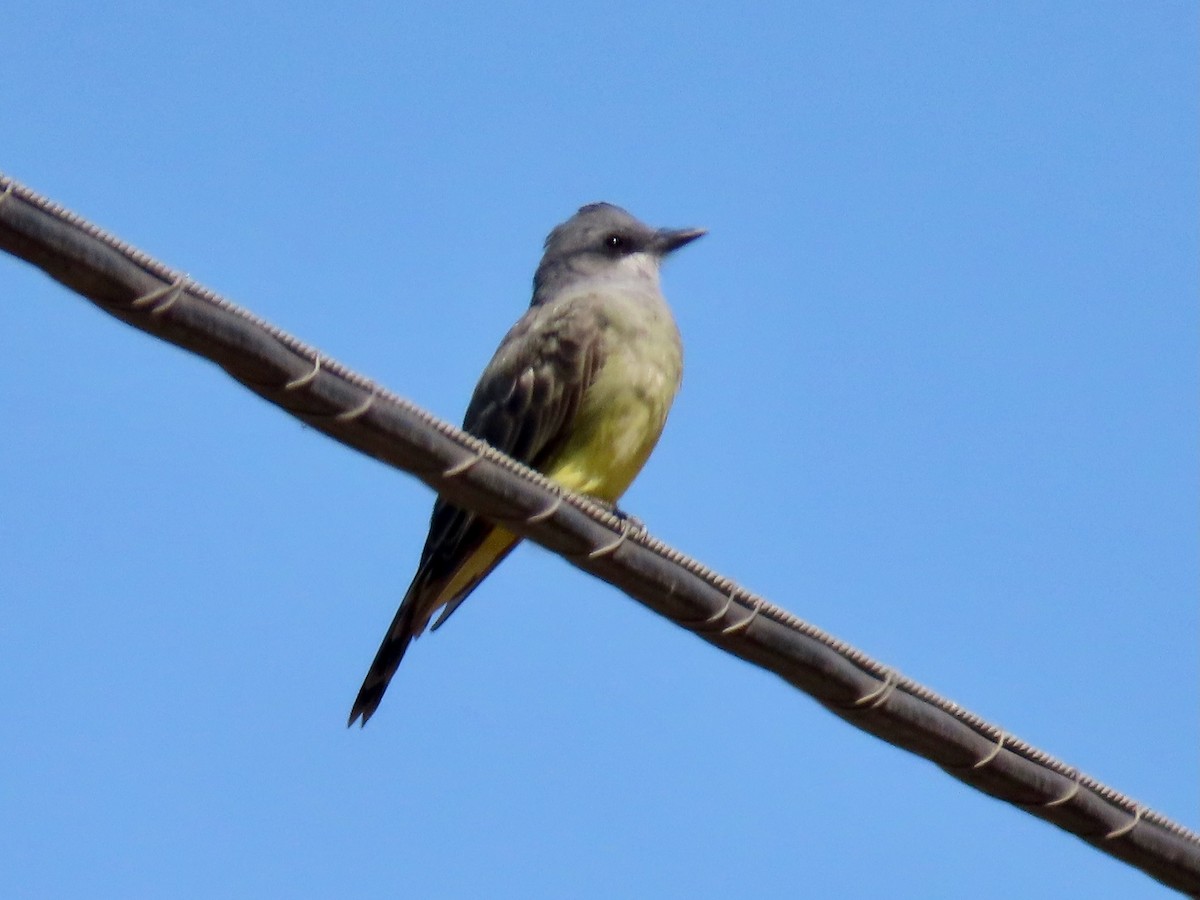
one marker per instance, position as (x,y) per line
(631,523)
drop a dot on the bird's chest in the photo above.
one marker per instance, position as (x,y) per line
(625,408)
(640,375)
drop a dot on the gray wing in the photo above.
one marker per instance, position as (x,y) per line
(531,390)
(524,404)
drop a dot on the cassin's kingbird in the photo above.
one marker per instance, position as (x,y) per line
(579,389)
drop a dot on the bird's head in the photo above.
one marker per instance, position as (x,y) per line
(603,241)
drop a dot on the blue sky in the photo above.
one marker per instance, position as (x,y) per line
(940,399)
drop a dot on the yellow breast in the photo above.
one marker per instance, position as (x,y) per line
(623,411)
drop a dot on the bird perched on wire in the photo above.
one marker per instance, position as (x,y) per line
(579,390)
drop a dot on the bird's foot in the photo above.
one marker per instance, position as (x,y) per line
(630,523)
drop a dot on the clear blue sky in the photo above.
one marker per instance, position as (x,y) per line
(940,398)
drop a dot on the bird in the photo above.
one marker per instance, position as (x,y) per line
(579,389)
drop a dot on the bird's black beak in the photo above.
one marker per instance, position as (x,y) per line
(667,240)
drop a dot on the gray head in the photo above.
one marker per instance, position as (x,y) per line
(601,241)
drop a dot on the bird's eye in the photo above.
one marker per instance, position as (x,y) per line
(614,242)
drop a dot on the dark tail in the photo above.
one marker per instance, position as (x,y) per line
(438,568)
(387,660)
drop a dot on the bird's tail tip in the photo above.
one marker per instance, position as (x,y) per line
(365,704)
